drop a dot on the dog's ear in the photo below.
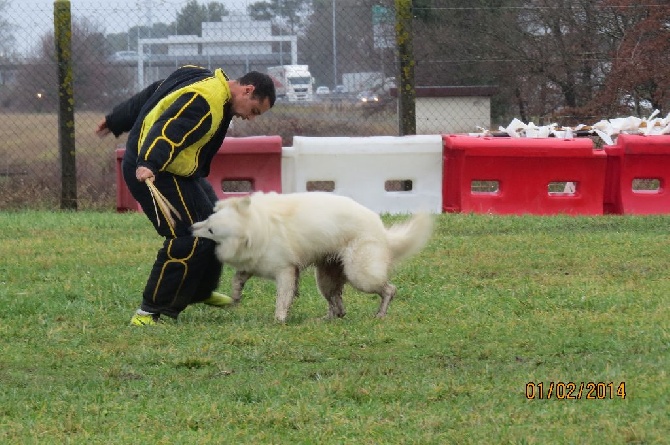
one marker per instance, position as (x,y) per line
(242,204)
(219,205)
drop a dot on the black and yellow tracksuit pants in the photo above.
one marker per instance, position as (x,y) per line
(186,270)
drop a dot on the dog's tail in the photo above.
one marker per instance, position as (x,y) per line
(409,237)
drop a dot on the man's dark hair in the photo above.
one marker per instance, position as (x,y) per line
(263,85)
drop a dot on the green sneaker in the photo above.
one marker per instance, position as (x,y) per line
(145,319)
(218,300)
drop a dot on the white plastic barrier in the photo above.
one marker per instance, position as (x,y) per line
(384,173)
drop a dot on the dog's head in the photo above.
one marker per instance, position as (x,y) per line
(228,224)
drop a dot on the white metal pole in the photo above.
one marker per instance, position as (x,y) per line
(334,47)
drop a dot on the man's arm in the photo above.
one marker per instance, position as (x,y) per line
(123,116)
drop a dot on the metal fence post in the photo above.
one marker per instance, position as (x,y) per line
(406,87)
(63,39)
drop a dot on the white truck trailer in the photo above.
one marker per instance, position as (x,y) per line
(293,82)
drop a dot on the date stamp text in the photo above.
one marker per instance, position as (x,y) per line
(575,390)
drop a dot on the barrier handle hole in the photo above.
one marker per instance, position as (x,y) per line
(563,188)
(237,185)
(647,185)
(320,186)
(485,187)
(399,185)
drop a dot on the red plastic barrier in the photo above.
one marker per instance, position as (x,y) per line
(241,166)
(522,176)
(245,165)
(124,200)
(638,173)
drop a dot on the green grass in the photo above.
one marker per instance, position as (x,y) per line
(492,304)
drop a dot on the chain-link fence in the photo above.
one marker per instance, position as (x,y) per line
(475,63)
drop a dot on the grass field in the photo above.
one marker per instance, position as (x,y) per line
(493,304)
(30,162)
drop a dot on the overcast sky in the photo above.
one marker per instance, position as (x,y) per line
(34,18)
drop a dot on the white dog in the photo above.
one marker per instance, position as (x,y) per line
(275,236)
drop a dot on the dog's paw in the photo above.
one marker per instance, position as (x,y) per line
(281,318)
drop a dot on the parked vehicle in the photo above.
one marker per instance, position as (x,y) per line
(293,82)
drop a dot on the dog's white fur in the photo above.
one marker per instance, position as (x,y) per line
(275,236)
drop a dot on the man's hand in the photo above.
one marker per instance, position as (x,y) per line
(102,129)
(142,174)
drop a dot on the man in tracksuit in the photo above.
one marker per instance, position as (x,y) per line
(175,127)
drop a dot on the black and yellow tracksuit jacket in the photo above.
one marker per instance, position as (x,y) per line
(176,125)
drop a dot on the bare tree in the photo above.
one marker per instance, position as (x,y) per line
(639,80)
(289,15)
(553,52)
(97,84)
(550,58)
(7,39)
(192,15)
